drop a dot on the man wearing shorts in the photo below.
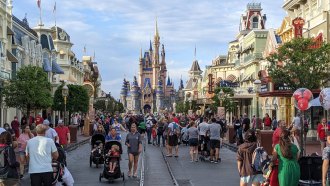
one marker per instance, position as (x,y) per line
(214,133)
(172,138)
(203,127)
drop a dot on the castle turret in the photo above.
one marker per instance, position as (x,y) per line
(135,94)
(123,93)
(155,56)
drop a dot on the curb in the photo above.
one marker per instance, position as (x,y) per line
(231,147)
(142,167)
(77,144)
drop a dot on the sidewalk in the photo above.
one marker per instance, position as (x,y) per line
(311,147)
(81,139)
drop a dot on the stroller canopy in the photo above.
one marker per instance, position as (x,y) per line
(97,138)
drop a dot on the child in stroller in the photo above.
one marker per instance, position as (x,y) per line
(113,154)
(97,148)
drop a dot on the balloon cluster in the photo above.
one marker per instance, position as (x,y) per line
(325,98)
(302,98)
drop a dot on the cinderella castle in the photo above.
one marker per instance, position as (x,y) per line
(148,92)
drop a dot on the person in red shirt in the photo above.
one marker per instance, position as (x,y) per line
(267,122)
(322,129)
(63,133)
(15,126)
(39,119)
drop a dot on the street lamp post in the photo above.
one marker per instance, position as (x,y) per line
(257,84)
(65,93)
(220,96)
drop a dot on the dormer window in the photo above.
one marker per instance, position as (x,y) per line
(255,22)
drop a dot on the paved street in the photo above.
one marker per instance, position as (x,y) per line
(78,164)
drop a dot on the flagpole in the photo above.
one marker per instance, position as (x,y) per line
(55,12)
(40,13)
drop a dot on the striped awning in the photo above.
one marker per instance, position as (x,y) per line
(46,65)
(56,68)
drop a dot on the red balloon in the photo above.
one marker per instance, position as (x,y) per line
(307,94)
(297,95)
(302,104)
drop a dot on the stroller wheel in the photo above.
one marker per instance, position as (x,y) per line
(123,175)
(100,178)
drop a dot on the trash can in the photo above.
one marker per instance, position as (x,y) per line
(231,134)
(266,140)
(73,133)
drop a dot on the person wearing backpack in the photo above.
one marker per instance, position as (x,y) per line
(172,133)
(245,153)
(8,164)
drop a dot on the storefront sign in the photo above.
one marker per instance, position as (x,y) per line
(281,87)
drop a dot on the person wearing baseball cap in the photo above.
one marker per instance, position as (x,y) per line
(50,132)
(63,133)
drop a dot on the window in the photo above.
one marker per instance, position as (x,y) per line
(255,22)
(44,41)
(62,56)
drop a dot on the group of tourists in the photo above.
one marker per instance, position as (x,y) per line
(35,148)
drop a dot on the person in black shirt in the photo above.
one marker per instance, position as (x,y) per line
(245,123)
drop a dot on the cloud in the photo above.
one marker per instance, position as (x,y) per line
(117,29)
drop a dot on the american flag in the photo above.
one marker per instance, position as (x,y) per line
(38,3)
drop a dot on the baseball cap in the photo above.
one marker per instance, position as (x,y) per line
(60,121)
(46,122)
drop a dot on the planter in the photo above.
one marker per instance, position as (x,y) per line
(265,137)
(231,134)
(73,133)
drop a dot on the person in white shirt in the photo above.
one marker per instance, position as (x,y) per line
(50,132)
(202,128)
(40,152)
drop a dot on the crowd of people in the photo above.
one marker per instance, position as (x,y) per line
(36,145)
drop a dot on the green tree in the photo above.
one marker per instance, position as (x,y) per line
(299,64)
(29,90)
(77,101)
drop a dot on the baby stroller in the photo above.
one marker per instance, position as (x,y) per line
(311,171)
(204,148)
(58,166)
(97,144)
(184,136)
(117,171)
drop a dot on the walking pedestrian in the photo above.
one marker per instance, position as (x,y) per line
(50,132)
(296,122)
(82,123)
(22,140)
(118,127)
(267,121)
(154,134)
(245,124)
(134,145)
(287,154)
(244,160)
(112,135)
(15,126)
(193,141)
(203,127)
(214,133)
(8,171)
(149,125)
(325,164)
(172,134)
(63,133)
(160,131)
(322,129)
(40,151)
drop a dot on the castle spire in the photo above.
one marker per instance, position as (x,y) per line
(141,53)
(156,29)
(150,47)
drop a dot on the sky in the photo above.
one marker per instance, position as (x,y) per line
(117,29)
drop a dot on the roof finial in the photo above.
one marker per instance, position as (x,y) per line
(156,29)
(195,52)
(141,53)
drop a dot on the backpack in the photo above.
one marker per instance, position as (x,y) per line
(174,129)
(259,160)
(4,167)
